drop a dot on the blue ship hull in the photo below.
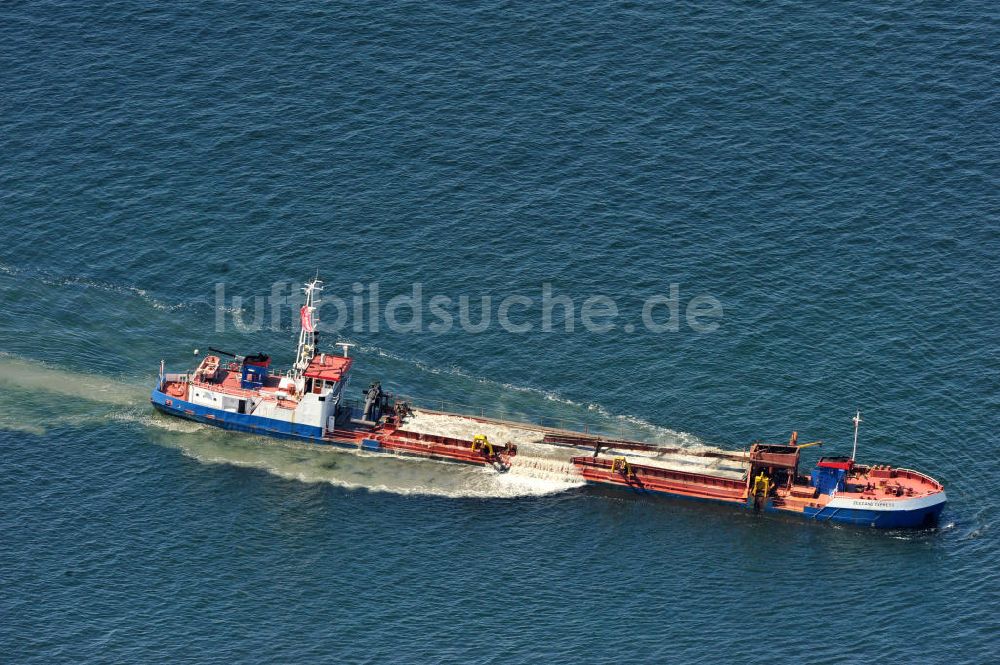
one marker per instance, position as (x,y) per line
(924,516)
(879,519)
(238,422)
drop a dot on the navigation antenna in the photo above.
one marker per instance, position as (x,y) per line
(307,335)
(857,421)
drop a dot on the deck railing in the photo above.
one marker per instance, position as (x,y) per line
(916,475)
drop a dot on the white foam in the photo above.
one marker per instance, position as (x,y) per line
(627,425)
(157,420)
(374,472)
(47,278)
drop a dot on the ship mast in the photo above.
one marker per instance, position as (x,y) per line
(857,421)
(307,334)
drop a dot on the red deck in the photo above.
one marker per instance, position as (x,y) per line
(327,367)
(227,379)
(884,483)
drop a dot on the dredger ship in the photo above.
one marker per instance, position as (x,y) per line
(307,402)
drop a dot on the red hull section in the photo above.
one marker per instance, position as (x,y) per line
(655,479)
(432,446)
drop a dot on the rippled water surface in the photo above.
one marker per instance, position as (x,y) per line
(829,174)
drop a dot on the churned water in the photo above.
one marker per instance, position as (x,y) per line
(827,175)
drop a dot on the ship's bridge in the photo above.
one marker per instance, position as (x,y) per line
(326,371)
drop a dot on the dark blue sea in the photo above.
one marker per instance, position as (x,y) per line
(821,178)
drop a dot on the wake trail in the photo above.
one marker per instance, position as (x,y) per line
(32,376)
(539,469)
